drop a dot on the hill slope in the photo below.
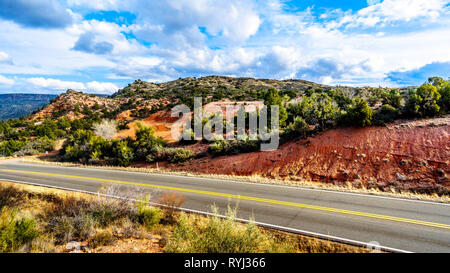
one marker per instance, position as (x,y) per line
(410,155)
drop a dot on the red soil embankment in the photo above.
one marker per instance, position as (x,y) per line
(161,122)
(413,155)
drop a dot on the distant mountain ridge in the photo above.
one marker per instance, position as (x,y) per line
(14,106)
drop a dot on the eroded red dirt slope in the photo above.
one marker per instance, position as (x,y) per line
(410,155)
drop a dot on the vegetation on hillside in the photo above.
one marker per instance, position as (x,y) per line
(87,125)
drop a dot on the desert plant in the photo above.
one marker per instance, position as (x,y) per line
(106,129)
(423,102)
(172,201)
(14,233)
(220,236)
(67,228)
(147,215)
(102,238)
(358,113)
(10,196)
(297,129)
(123,154)
(229,147)
(180,155)
(386,114)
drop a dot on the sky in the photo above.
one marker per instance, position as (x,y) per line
(100,46)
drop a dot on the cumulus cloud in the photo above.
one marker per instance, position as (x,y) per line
(4,58)
(373,2)
(97,4)
(87,44)
(36,13)
(187,23)
(104,38)
(419,75)
(101,87)
(168,39)
(389,11)
(59,85)
(56,84)
(6,81)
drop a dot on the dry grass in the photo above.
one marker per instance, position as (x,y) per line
(348,187)
(171,201)
(100,224)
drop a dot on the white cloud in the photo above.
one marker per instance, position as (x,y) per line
(396,10)
(4,58)
(229,37)
(229,21)
(55,84)
(97,4)
(6,81)
(44,51)
(101,87)
(92,34)
(59,85)
(373,2)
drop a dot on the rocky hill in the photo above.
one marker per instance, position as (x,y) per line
(141,99)
(232,88)
(75,105)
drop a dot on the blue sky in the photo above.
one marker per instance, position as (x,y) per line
(48,46)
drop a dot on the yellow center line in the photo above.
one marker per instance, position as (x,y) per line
(248,198)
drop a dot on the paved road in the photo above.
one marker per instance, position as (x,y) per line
(408,225)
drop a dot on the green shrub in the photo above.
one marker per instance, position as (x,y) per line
(230,147)
(386,114)
(272,98)
(172,155)
(14,233)
(423,102)
(148,216)
(150,158)
(73,153)
(145,141)
(393,98)
(68,228)
(444,101)
(358,113)
(102,238)
(188,137)
(108,210)
(122,153)
(297,129)
(180,155)
(221,236)
(318,109)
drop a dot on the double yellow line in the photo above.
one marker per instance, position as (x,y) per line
(247,198)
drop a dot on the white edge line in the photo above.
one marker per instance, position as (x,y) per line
(249,183)
(287,229)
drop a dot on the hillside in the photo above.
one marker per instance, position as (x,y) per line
(14,106)
(371,137)
(75,105)
(406,155)
(141,99)
(215,86)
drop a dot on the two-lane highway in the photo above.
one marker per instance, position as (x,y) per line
(408,225)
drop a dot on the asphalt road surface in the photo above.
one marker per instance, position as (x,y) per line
(406,225)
